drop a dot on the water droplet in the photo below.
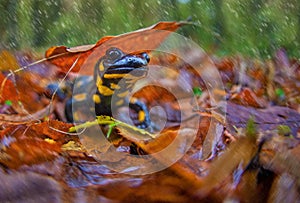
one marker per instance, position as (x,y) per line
(109,9)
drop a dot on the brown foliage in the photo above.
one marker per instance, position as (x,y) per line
(222,161)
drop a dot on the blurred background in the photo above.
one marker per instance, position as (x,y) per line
(255,28)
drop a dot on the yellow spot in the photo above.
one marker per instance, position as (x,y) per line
(101,66)
(71,145)
(120,102)
(80,97)
(105,90)
(131,77)
(114,86)
(50,141)
(98,81)
(123,94)
(76,116)
(113,76)
(79,84)
(141,116)
(96,99)
(133,100)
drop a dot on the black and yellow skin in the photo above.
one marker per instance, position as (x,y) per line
(114,75)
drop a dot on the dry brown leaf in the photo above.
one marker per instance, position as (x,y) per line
(145,39)
(248,98)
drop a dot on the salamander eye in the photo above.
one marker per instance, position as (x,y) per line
(146,56)
(113,54)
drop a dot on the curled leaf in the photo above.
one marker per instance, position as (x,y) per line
(145,39)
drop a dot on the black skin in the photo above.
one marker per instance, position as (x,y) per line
(116,62)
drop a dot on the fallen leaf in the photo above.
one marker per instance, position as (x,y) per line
(223,167)
(7,90)
(32,143)
(247,97)
(141,40)
(28,152)
(8,61)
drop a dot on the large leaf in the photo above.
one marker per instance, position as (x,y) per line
(145,39)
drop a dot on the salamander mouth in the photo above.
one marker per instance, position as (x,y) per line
(135,71)
(130,64)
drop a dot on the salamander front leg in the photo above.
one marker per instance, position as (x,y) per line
(68,111)
(142,111)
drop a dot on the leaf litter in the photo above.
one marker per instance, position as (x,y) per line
(238,161)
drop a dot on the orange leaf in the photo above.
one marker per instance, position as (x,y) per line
(86,56)
(7,90)
(32,144)
(249,98)
(29,151)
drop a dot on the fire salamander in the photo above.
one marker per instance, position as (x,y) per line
(114,74)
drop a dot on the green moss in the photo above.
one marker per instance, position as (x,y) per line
(251,129)
(284,130)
